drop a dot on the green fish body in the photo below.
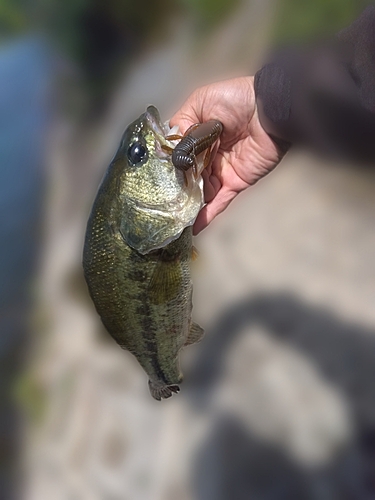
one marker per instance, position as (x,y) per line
(138,252)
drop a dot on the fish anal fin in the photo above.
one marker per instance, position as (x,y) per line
(195,334)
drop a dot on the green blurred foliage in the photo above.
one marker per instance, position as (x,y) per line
(60,20)
(30,397)
(69,22)
(87,31)
(93,30)
(13,17)
(303,20)
(102,37)
(209,12)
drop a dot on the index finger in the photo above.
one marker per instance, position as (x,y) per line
(188,114)
(183,120)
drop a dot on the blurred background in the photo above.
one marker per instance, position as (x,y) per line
(279,398)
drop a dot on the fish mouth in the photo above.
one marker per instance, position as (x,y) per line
(154,225)
(161,130)
(153,118)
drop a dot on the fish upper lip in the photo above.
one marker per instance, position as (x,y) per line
(160,129)
(153,119)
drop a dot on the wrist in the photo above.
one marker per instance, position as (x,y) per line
(263,135)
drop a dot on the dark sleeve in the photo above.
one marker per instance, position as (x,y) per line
(323,96)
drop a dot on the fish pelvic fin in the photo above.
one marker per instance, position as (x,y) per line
(159,391)
(195,335)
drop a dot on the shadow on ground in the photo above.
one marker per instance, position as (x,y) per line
(234,463)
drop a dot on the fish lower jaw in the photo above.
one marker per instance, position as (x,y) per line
(161,391)
(175,205)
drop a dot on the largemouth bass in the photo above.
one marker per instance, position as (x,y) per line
(138,251)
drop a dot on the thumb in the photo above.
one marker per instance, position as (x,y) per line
(187,115)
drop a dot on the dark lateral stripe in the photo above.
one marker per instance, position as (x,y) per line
(145,317)
(151,342)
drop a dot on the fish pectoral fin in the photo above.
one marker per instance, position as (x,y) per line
(195,334)
(165,282)
(194,253)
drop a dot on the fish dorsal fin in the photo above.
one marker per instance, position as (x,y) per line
(166,280)
(195,334)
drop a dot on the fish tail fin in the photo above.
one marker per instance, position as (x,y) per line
(159,391)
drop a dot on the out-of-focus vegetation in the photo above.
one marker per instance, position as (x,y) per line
(93,32)
(13,17)
(102,37)
(301,20)
(210,12)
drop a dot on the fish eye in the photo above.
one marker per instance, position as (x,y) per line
(137,153)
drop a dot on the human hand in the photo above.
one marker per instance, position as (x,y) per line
(245,152)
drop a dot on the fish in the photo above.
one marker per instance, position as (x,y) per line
(138,251)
